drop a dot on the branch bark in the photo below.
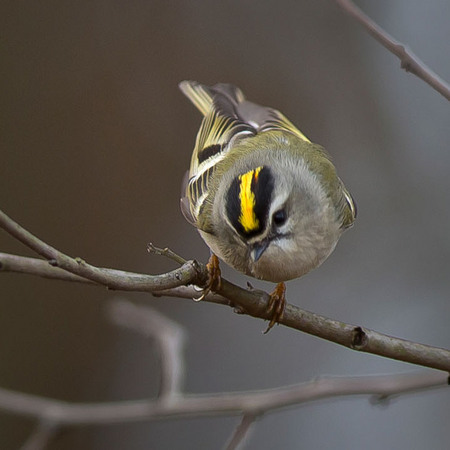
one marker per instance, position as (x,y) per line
(111,278)
(251,302)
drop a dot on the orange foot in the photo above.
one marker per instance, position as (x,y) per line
(214,277)
(276,305)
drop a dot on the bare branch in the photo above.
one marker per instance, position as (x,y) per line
(39,267)
(113,279)
(252,302)
(409,61)
(168,335)
(358,338)
(252,403)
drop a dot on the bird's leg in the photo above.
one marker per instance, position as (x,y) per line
(276,305)
(214,277)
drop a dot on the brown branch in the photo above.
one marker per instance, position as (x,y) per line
(38,267)
(250,403)
(111,278)
(251,302)
(254,303)
(409,61)
(41,268)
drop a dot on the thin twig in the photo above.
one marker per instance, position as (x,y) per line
(168,335)
(409,61)
(234,403)
(167,252)
(41,436)
(241,432)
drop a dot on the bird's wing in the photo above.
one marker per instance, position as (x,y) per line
(227,118)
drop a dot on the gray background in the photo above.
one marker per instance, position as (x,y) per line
(95,139)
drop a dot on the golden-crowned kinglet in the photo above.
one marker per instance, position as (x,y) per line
(264,198)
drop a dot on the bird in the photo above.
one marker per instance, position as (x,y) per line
(265,199)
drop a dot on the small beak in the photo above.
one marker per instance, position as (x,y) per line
(259,249)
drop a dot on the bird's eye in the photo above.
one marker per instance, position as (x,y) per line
(279,217)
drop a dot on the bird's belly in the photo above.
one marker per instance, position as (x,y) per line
(284,267)
(277,263)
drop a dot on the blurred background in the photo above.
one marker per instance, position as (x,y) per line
(95,139)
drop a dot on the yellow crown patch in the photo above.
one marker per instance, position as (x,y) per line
(248,218)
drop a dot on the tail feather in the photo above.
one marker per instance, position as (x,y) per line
(229,102)
(205,97)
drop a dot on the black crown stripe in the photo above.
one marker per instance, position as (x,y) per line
(262,188)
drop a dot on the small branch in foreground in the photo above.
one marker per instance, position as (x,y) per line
(409,61)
